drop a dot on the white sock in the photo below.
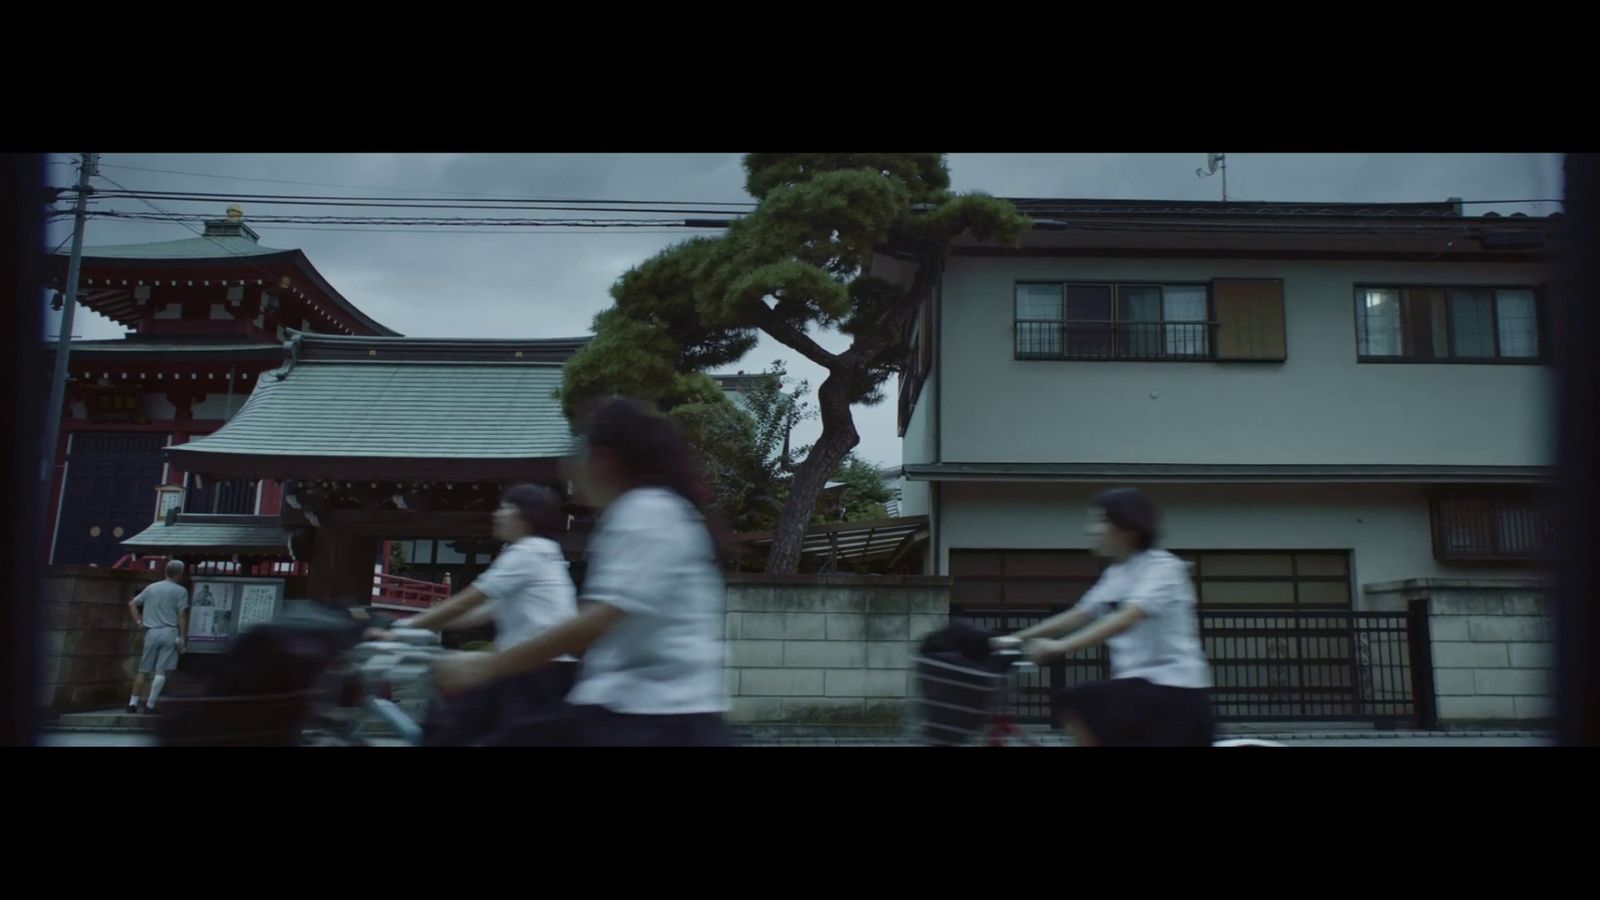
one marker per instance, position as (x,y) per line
(155,689)
(134,700)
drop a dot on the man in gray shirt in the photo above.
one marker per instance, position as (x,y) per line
(165,619)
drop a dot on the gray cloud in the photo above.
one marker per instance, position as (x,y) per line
(549,284)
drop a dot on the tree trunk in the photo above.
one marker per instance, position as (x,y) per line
(838,438)
(839,434)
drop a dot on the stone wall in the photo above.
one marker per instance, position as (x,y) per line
(1492,642)
(91,645)
(827,650)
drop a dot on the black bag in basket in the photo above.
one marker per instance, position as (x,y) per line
(959,677)
(260,692)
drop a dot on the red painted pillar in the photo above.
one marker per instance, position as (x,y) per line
(271,498)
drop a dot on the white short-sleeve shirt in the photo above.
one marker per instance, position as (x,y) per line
(1163,647)
(652,558)
(529,591)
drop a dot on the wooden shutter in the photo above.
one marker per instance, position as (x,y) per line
(1249,319)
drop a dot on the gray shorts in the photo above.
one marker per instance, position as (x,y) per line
(160,650)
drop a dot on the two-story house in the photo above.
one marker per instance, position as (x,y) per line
(1320,397)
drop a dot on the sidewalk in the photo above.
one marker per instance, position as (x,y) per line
(1328,736)
(116,728)
(138,738)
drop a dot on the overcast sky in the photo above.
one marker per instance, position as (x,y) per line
(542,284)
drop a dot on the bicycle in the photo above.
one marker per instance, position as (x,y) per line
(387,681)
(961,698)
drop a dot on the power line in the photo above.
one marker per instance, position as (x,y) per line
(1369,226)
(541,231)
(406,203)
(229,250)
(505,197)
(541,203)
(213,195)
(440,221)
(1375,228)
(1042,213)
(63,242)
(512,197)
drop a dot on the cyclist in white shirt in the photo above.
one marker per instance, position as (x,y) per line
(650,627)
(525,592)
(1143,607)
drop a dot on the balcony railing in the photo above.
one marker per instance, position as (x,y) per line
(407,593)
(1105,340)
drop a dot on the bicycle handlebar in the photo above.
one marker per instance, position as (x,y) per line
(1010,648)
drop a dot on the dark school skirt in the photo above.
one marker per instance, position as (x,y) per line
(1133,712)
(570,725)
(475,716)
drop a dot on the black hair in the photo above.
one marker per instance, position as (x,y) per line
(651,451)
(648,447)
(1133,512)
(539,508)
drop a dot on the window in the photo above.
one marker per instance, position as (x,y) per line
(1489,526)
(1271,579)
(1254,579)
(1021,579)
(1423,324)
(1039,320)
(918,364)
(1517,324)
(1057,320)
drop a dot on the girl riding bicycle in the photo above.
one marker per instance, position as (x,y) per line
(1143,607)
(526,591)
(650,629)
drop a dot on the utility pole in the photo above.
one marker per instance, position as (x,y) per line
(87,167)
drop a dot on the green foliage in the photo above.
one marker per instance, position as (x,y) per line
(801,261)
(863,495)
(724,440)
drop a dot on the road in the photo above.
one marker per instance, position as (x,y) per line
(139,739)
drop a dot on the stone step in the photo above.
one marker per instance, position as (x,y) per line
(106,720)
(119,721)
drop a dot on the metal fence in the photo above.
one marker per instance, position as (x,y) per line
(1270,665)
(1078,339)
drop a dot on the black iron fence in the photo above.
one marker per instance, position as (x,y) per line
(1057,339)
(1271,665)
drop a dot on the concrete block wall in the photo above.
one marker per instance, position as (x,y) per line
(1493,646)
(834,649)
(91,645)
